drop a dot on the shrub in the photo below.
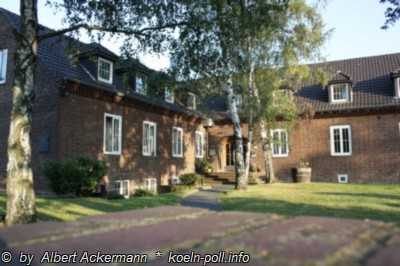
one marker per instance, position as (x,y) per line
(203,166)
(74,176)
(143,193)
(113,195)
(190,179)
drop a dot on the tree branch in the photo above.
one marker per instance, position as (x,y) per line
(140,32)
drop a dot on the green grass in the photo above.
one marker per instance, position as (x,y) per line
(70,209)
(375,202)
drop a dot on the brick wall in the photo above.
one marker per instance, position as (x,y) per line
(81,128)
(375,149)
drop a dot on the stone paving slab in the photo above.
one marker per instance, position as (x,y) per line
(267,239)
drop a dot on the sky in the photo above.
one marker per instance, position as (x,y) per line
(356,26)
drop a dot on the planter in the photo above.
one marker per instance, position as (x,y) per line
(303,175)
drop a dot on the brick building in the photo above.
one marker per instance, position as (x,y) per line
(89,102)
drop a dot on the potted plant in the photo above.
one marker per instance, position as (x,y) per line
(303,172)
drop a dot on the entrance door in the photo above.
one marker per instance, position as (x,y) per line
(230,154)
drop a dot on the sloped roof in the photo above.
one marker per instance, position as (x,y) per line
(371,78)
(53,53)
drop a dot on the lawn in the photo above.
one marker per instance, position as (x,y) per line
(375,202)
(70,209)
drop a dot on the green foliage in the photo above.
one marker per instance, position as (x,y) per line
(113,195)
(203,166)
(190,179)
(74,176)
(143,193)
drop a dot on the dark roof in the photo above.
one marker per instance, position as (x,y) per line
(53,53)
(371,78)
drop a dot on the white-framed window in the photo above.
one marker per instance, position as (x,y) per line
(3,66)
(199,144)
(343,178)
(105,70)
(280,143)
(169,95)
(112,134)
(340,140)
(177,142)
(140,84)
(191,102)
(122,188)
(149,138)
(150,184)
(397,87)
(340,93)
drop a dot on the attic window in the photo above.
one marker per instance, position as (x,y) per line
(340,93)
(140,84)
(397,87)
(191,102)
(105,70)
(3,66)
(169,95)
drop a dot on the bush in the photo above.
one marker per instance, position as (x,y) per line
(113,195)
(190,179)
(203,166)
(143,193)
(74,176)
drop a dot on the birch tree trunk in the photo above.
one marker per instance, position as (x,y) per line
(267,152)
(241,181)
(250,122)
(20,191)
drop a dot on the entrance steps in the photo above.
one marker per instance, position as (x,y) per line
(226,178)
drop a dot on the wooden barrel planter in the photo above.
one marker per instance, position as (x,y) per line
(303,175)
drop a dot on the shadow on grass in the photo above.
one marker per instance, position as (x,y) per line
(62,209)
(300,209)
(369,195)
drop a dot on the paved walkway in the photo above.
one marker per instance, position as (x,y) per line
(207,198)
(266,239)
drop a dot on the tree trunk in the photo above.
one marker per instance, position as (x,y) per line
(251,86)
(241,181)
(267,152)
(20,191)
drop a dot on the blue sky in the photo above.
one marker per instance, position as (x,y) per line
(356,25)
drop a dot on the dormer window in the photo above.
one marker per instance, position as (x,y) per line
(169,95)
(105,70)
(191,102)
(3,66)
(340,93)
(140,84)
(397,87)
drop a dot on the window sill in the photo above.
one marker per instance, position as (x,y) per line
(341,155)
(177,156)
(109,82)
(280,156)
(112,153)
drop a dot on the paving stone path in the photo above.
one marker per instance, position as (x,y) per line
(267,239)
(207,198)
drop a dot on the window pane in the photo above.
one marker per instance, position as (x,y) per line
(152,139)
(283,142)
(116,135)
(1,65)
(146,138)
(336,137)
(104,70)
(346,140)
(275,138)
(109,134)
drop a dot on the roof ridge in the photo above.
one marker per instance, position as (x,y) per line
(354,59)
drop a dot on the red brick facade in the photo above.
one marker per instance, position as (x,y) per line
(375,149)
(81,129)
